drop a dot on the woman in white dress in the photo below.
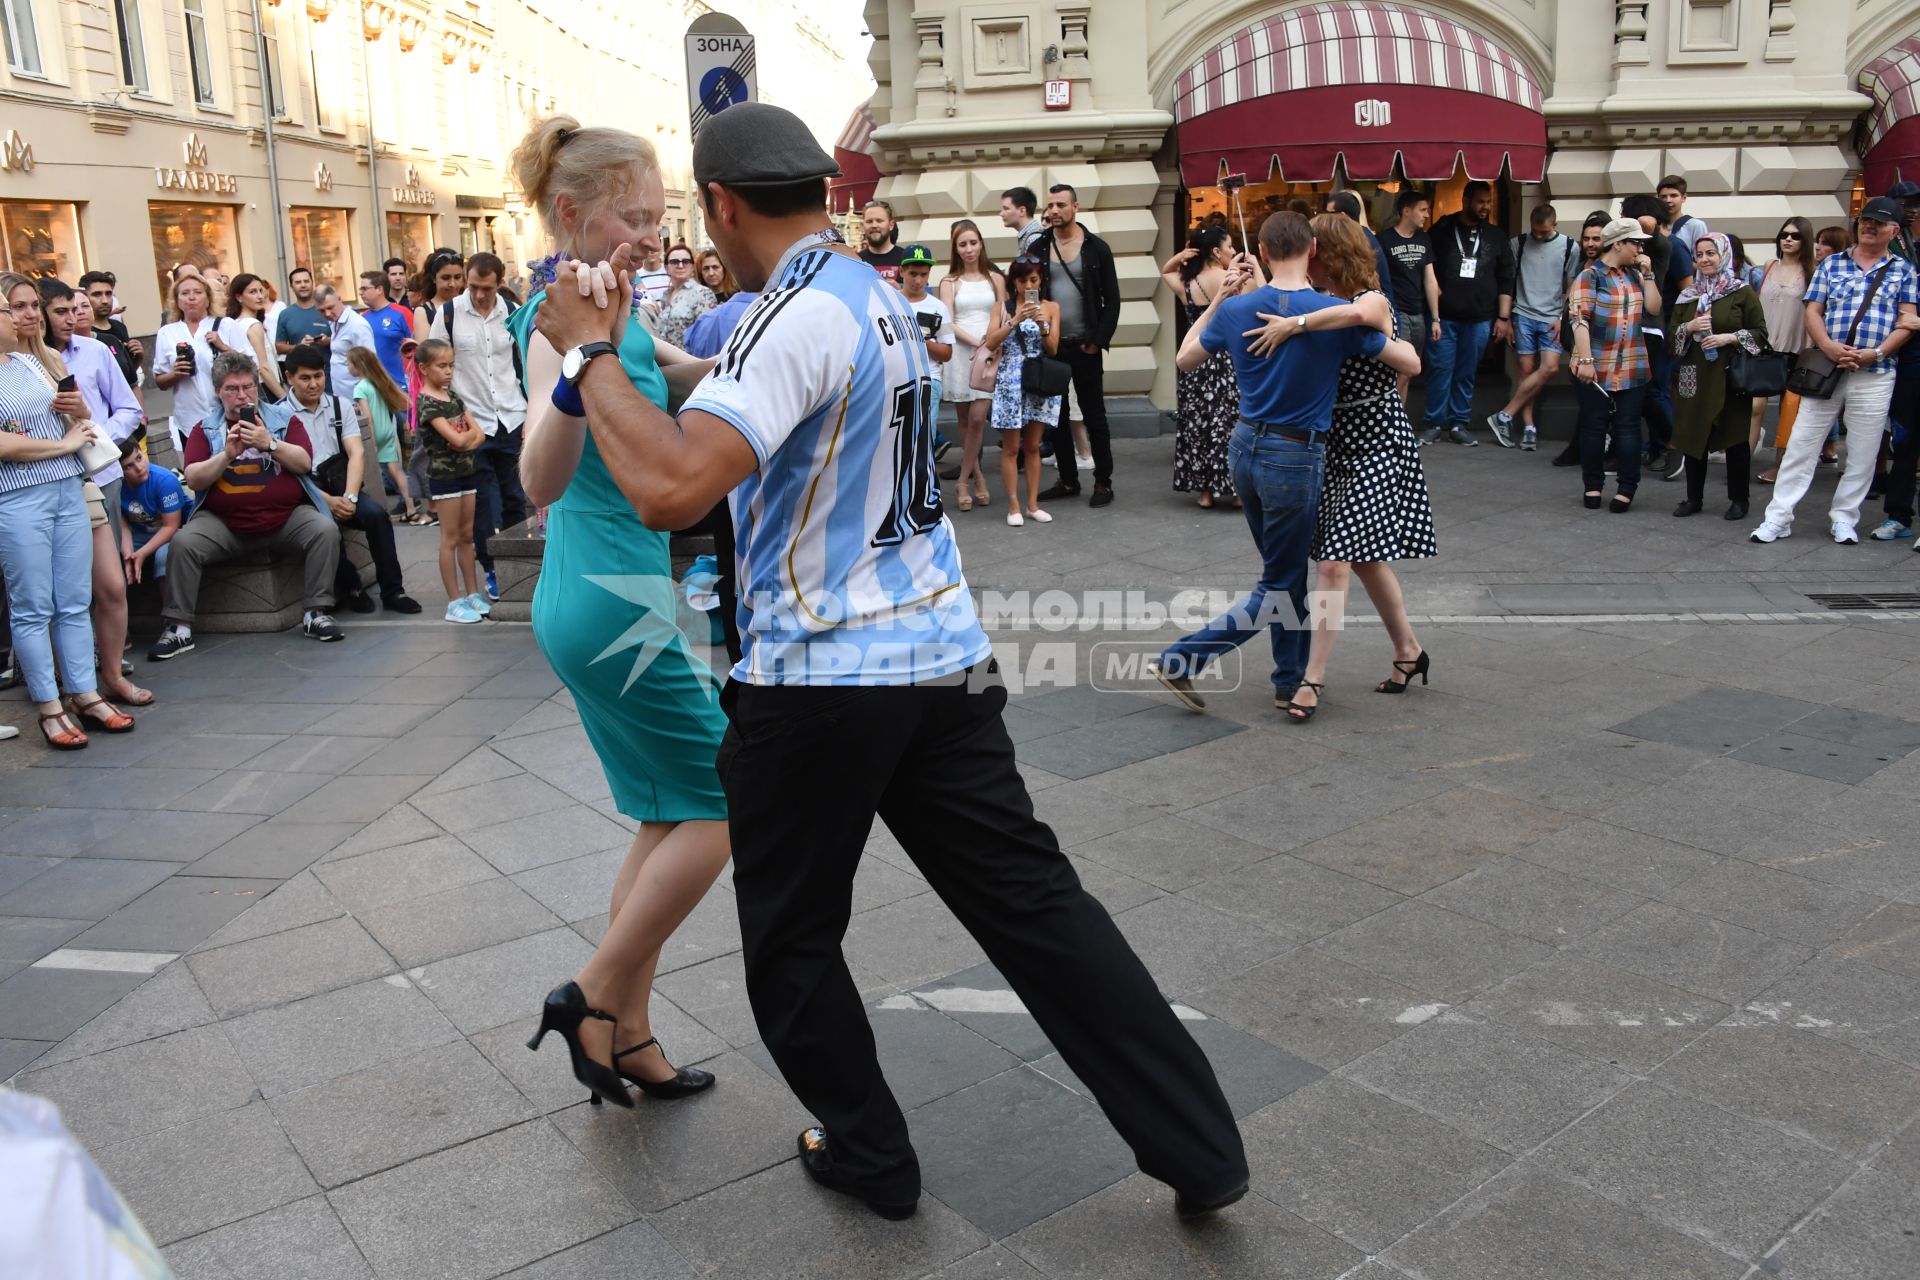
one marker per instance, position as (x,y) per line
(974,293)
(245,330)
(183,356)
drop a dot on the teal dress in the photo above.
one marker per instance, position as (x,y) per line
(604,616)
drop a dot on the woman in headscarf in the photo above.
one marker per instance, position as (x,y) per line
(1718,310)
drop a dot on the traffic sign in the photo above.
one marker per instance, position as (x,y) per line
(720,67)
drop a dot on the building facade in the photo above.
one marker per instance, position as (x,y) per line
(332,134)
(1769,109)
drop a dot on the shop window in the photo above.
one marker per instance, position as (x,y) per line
(41,238)
(204,234)
(322,245)
(133,45)
(22,33)
(199,52)
(476,236)
(410,238)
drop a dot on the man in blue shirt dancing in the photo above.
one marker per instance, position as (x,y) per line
(1278,450)
(866,686)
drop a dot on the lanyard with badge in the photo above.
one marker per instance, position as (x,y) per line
(1469,258)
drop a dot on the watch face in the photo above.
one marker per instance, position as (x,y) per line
(570,364)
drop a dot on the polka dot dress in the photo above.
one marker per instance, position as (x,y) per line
(1374,506)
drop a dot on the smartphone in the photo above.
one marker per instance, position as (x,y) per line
(247,413)
(68,383)
(183,354)
(1233,184)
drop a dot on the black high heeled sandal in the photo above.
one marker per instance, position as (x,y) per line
(686,1080)
(1417,667)
(566,1008)
(1300,712)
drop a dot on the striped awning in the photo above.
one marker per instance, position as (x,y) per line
(853,151)
(1368,80)
(858,134)
(1891,143)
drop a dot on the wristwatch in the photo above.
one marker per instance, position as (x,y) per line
(272,444)
(574,363)
(1300,325)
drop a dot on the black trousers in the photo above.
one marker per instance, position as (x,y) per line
(1089,383)
(806,769)
(1739,462)
(371,519)
(1903,423)
(499,501)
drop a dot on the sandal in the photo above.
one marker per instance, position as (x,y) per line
(136,697)
(69,738)
(1301,712)
(1205,502)
(966,502)
(102,714)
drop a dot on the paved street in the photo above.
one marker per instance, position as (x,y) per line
(1598,957)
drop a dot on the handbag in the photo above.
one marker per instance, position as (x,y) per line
(1045,376)
(100,451)
(1814,376)
(1758,375)
(331,475)
(984,373)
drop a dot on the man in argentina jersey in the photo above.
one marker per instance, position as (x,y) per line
(866,687)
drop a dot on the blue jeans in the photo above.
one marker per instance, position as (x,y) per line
(1278,481)
(142,534)
(46,552)
(1452,361)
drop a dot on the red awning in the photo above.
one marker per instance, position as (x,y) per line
(853,152)
(1891,147)
(1301,134)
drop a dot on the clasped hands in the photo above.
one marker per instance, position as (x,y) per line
(580,306)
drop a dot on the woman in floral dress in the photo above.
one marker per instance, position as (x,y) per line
(1209,398)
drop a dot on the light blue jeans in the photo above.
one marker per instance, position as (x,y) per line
(46,551)
(1453,360)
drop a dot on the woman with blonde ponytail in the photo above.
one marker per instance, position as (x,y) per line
(654,718)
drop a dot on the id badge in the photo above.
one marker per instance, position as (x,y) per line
(1468,267)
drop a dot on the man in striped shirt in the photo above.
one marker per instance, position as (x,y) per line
(867,686)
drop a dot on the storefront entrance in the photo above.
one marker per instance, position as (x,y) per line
(323,244)
(410,238)
(207,235)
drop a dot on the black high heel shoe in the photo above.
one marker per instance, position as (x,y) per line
(1300,712)
(566,1008)
(1418,667)
(686,1080)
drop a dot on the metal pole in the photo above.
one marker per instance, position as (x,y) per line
(267,87)
(373,161)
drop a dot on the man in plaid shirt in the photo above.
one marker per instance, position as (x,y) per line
(1611,373)
(1860,343)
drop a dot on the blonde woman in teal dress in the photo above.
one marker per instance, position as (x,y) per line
(604,616)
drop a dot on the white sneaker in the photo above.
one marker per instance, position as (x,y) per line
(8,731)
(1770,532)
(1845,535)
(1039,517)
(1084,461)
(1015,520)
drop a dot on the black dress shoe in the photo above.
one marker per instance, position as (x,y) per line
(1736,511)
(1102,496)
(400,604)
(1059,489)
(1186,1206)
(360,602)
(818,1162)
(685,1082)
(1687,507)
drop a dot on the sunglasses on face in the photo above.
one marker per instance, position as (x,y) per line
(1789,235)
(679,262)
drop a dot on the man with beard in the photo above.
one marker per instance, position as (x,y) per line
(301,324)
(882,251)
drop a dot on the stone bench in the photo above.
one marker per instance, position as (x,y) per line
(253,593)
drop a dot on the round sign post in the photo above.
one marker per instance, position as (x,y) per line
(720,67)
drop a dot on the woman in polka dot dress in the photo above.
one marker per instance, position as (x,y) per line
(1374,507)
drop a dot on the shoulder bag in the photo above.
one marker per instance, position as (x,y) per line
(1816,377)
(1043,375)
(331,475)
(984,373)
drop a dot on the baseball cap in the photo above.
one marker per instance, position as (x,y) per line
(1621,229)
(918,255)
(755,144)
(1883,209)
(1904,190)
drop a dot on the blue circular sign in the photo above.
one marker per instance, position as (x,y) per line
(721,88)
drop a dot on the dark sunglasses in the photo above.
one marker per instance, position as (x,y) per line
(1789,235)
(679,262)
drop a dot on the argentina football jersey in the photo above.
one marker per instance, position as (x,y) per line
(848,569)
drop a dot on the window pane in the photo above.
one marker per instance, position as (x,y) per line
(133,44)
(23,38)
(203,234)
(197,53)
(276,95)
(320,244)
(410,238)
(41,238)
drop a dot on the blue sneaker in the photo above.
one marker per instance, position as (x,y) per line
(478,603)
(1891,530)
(493,586)
(461,611)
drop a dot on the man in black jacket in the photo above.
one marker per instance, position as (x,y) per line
(1474,263)
(1081,280)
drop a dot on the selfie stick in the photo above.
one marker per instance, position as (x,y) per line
(1233,182)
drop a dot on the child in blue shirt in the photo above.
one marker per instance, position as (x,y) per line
(153,506)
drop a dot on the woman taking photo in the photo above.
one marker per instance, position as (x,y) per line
(973,292)
(687,299)
(714,274)
(1026,327)
(46,546)
(1716,311)
(655,728)
(245,331)
(1783,292)
(1209,398)
(183,357)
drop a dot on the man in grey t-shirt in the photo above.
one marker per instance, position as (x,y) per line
(1545,263)
(1081,279)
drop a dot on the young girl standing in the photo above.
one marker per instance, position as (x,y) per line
(376,399)
(449,436)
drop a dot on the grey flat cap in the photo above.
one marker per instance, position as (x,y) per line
(757,145)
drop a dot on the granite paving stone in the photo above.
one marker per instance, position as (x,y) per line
(287,966)
(1172,854)
(142,1088)
(307,1042)
(1605,1013)
(450,923)
(925,1054)
(385,1115)
(991,1263)
(64,832)
(1871,1228)
(417,754)
(360,798)
(1723,961)
(372,881)
(1732,1182)
(250,791)
(167,1002)
(207,1172)
(1317,1008)
(402,824)
(577,888)
(175,914)
(634,1250)
(488,1206)
(497,984)
(166,835)
(1415,849)
(956,995)
(1773,902)
(1628,860)
(278,847)
(132,787)
(299,1241)
(51,1004)
(1448,955)
(300,900)
(1293,898)
(85,889)
(16,871)
(1359,1165)
(1888,939)
(1848,1001)
(24,939)
(910,942)
(1846,1099)
(520,844)
(1506,1087)
(1533,901)
(17,1055)
(714,993)
(1526,1225)
(314,753)
(1186,945)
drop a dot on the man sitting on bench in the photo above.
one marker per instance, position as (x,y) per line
(249,475)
